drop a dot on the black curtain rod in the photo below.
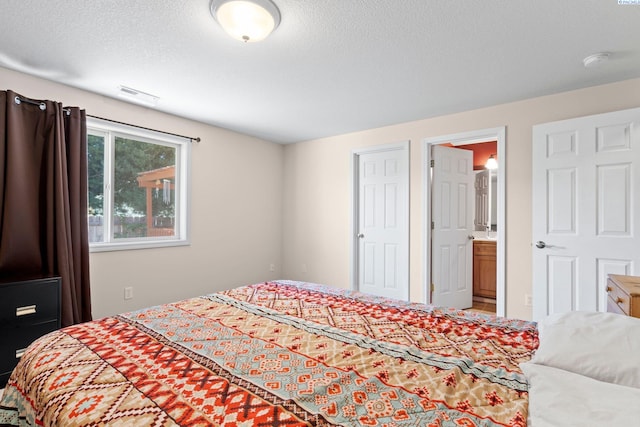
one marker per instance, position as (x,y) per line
(197,139)
(43,106)
(40,104)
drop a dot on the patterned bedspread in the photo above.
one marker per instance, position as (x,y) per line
(277,354)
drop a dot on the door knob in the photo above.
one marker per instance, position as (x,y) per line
(540,244)
(360,236)
(470,237)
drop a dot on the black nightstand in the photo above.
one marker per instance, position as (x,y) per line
(28,310)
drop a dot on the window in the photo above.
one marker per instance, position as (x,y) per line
(138,187)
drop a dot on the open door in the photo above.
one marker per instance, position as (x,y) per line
(452,227)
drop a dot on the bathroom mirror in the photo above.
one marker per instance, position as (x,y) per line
(486,186)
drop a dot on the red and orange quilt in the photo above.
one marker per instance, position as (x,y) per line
(277,354)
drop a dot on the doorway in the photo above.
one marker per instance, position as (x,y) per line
(380,231)
(473,137)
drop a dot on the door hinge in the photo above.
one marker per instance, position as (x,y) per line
(433,287)
(433,162)
(433,225)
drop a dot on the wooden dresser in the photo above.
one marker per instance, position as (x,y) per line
(623,295)
(484,268)
(28,310)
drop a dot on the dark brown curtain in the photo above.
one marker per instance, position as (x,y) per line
(43,198)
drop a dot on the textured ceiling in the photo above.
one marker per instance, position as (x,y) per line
(333,66)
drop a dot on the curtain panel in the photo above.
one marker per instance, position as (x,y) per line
(43,198)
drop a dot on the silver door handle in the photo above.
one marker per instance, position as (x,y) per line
(540,244)
(360,236)
(470,237)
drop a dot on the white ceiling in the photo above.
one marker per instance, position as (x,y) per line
(332,66)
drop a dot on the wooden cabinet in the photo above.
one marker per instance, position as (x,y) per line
(28,310)
(623,295)
(484,268)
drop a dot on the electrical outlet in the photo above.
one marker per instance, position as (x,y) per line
(128,292)
(528,300)
(272,267)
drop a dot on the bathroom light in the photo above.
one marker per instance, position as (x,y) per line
(492,163)
(246,20)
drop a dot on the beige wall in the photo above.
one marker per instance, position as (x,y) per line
(317,189)
(255,203)
(236,210)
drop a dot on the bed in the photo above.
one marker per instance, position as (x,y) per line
(279,353)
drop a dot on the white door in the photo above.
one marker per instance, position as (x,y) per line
(586,209)
(382,230)
(452,244)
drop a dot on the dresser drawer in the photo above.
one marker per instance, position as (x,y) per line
(30,302)
(16,340)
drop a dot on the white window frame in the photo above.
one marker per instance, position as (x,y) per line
(110,130)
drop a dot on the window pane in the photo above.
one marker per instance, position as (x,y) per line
(95,169)
(143,189)
(137,187)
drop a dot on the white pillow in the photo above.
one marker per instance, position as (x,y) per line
(560,398)
(603,346)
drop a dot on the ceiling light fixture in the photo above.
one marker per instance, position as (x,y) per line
(246,20)
(492,163)
(596,59)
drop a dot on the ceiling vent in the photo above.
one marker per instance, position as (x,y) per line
(138,96)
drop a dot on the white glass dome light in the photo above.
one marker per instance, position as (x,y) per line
(246,20)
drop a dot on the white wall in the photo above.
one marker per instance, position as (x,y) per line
(236,209)
(317,190)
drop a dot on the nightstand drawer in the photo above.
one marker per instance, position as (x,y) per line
(29,302)
(16,340)
(28,310)
(612,307)
(624,293)
(617,296)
